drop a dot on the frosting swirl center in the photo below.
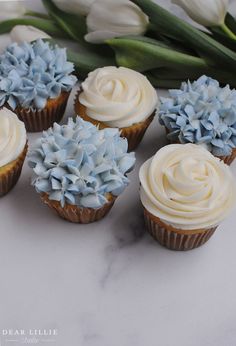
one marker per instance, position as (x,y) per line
(119,97)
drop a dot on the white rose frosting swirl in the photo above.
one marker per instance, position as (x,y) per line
(187,187)
(12,136)
(119,97)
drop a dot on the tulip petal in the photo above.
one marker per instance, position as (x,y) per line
(205,12)
(112,18)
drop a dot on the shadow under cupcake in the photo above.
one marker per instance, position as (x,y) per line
(202,113)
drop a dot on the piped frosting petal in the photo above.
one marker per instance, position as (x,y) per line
(201,113)
(79,164)
(32,73)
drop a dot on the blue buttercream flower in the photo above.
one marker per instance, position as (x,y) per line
(201,113)
(79,164)
(32,73)
(9,87)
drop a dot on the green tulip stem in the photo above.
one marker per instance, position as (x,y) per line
(30,13)
(228,32)
(48,26)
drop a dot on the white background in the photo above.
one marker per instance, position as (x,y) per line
(110,283)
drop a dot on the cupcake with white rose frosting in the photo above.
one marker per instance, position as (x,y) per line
(186,193)
(13,149)
(120,98)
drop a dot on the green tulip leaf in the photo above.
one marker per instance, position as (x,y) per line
(174,73)
(219,35)
(144,55)
(73,25)
(47,26)
(164,83)
(86,62)
(169,25)
(230,21)
(159,82)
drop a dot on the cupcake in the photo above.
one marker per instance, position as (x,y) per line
(120,98)
(186,192)
(80,170)
(13,149)
(202,113)
(35,82)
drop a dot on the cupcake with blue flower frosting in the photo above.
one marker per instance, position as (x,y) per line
(202,113)
(80,170)
(35,82)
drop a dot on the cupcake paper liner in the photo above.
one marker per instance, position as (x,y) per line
(76,214)
(40,120)
(230,158)
(227,159)
(134,133)
(175,239)
(10,173)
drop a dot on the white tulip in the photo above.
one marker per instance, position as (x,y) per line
(27,33)
(11,9)
(74,6)
(164,3)
(232,8)
(205,12)
(114,18)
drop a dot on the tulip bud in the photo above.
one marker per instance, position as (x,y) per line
(111,18)
(26,33)
(232,8)
(11,9)
(74,6)
(208,13)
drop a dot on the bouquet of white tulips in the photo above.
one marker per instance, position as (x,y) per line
(138,34)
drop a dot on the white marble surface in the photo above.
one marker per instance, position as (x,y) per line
(110,283)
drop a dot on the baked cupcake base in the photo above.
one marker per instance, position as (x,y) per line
(76,214)
(175,239)
(230,158)
(40,120)
(134,133)
(10,173)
